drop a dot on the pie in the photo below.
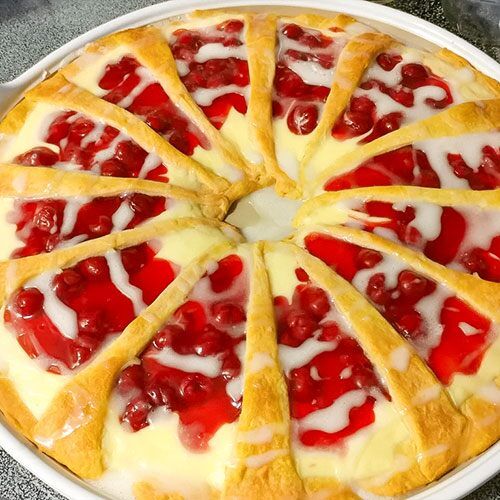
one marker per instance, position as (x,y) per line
(159,352)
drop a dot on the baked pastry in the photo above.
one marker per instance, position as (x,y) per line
(154,353)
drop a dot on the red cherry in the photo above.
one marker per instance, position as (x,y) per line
(210,342)
(195,389)
(412,74)
(474,261)
(228,314)
(45,219)
(161,395)
(91,322)
(388,61)
(376,289)
(40,156)
(411,284)
(166,336)
(192,316)
(300,385)
(136,414)
(359,122)
(292,31)
(94,268)
(231,26)
(141,203)
(28,302)
(134,258)
(314,301)
(227,270)
(102,226)
(367,258)
(409,324)
(301,275)
(300,325)
(132,377)
(302,119)
(330,331)
(113,168)
(68,283)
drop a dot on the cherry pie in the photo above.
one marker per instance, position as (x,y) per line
(157,355)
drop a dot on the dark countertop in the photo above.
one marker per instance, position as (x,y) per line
(31,29)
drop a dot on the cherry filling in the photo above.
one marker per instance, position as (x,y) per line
(62,318)
(363,116)
(451,245)
(132,87)
(207,77)
(335,372)
(310,53)
(193,365)
(43,225)
(93,146)
(408,166)
(449,335)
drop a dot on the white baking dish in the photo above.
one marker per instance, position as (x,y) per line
(416,31)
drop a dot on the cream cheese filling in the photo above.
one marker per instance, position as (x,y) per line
(156,455)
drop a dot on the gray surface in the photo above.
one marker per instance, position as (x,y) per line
(29,30)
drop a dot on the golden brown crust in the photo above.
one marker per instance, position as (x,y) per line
(13,408)
(18,181)
(261,47)
(71,428)
(262,470)
(484,424)
(433,423)
(354,59)
(467,118)
(315,210)
(475,85)
(13,273)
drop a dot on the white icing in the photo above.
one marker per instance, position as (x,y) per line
(259,361)
(120,278)
(429,308)
(146,79)
(205,97)
(256,461)
(122,217)
(71,209)
(63,317)
(219,51)
(107,153)
(262,434)
(400,358)
(336,416)
(468,329)
(94,135)
(182,67)
(210,366)
(312,72)
(389,266)
(427,395)
(295,357)
(150,163)
(468,146)
(345,373)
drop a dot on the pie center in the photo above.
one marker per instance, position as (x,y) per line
(264,215)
